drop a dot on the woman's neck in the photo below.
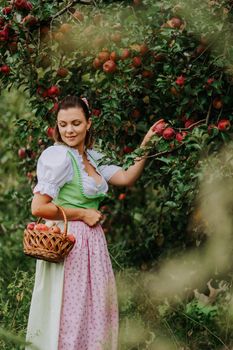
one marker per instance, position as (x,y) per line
(81,149)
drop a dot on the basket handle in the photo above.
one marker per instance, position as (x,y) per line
(64,216)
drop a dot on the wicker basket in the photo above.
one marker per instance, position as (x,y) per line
(47,245)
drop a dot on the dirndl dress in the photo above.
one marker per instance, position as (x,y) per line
(74,303)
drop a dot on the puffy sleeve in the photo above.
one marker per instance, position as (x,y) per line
(106,170)
(54,169)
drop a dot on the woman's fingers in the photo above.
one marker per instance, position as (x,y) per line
(99,217)
(158,121)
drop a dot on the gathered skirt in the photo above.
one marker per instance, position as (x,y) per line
(74,304)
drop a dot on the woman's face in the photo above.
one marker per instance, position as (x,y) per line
(73,126)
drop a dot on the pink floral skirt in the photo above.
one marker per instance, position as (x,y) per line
(89,311)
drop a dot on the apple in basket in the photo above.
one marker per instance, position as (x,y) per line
(41,227)
(55,229)
(31,225)
(71,238)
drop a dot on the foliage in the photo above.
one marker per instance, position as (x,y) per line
(172,324)
(180,71)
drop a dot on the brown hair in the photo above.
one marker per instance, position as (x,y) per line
(71,101)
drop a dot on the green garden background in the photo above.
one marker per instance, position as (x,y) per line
(170,235)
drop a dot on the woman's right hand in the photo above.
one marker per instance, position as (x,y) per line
(92,216)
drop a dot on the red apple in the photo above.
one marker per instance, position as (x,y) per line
(109,66)
(96,112)
(50,132)
(22,153)
(125,53)
(217,103)
(210,81)
(28,6)
(39,90)
(224,125)
(127,149)
(113,56)
(96,63)
(143,49)
(54,108)
(121,196)
(5,69)
(7,10)
(71,238)
(4,34)
(31,225)
(29,20)
(55,229)
(62,72)
(20,4)
(180,80)
(103,56)
(169,133)
(23,5)
(41,227)
(42,91)
(137,61)
(53,91)
(180,136)
(159,128)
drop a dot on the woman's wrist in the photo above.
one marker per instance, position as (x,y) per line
(144,142)
(80,213)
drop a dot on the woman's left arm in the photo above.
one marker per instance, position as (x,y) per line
(128,177)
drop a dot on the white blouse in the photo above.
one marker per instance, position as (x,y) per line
(54,169)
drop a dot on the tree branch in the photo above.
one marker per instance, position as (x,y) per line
(59,13)
(208,114)
(162,152)
(200,122)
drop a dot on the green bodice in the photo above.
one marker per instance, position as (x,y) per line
(72,195)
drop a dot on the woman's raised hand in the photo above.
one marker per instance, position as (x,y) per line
(151,132)
(92,216)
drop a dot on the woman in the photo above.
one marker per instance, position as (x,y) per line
(74,304)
